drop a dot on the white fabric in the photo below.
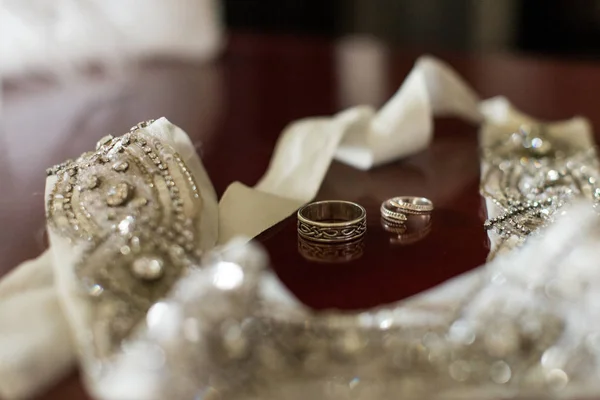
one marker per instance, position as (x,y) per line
(359,136)
(404,125)
(62,35)
(77,307)
(35,345)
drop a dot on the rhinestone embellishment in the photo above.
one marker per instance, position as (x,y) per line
(105,140)
(529,177)
(118,194)
(147,268)
(90,182)
(121,166)
(114,200)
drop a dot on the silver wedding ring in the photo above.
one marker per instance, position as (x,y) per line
(408,217)
(396,209)
(411,204)
(332,221)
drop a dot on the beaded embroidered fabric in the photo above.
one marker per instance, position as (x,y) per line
(134,204)
(528,175)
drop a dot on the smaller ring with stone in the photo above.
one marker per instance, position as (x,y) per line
(410,205)
(332,221)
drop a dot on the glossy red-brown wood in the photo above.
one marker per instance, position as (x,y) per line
(234,110)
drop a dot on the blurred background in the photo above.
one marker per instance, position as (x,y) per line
(59,35)
(556,27)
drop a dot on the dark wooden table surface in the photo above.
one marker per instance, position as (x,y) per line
(234,110)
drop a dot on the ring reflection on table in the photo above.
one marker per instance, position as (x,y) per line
(330,253)
(416,228)
(393,227)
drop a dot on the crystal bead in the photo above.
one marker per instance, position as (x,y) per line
(537,143)
(502,340)
(228,276)
(385,319)
(500,372)
(461,332)
(92,288)
(552,175)
(234,340)
(135,243)
(188,235)
(90,182)
(366,320)
(557,379)
(120,166)
(460,370)
(104,141)
(126,225)
(118,194)
(148,268)
(140,202)
(554,357)
(349,342)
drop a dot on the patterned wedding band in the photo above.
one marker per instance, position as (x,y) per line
(332,221)
(411,204)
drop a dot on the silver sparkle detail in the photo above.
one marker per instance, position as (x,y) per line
(148,268)
(120,166)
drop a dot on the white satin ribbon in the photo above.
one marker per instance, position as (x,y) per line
(359,136)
